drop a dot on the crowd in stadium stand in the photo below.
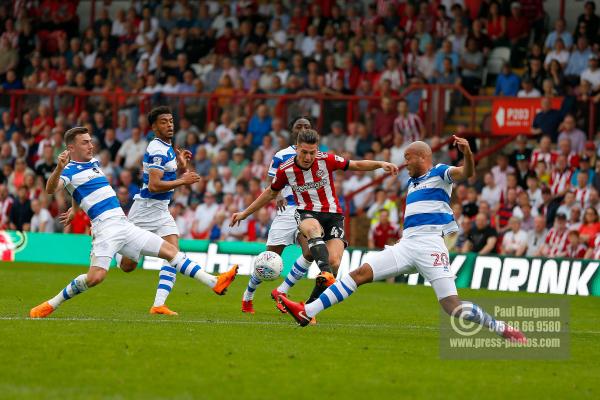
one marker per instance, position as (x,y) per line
(541,197)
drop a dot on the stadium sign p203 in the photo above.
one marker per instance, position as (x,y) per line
(534,275)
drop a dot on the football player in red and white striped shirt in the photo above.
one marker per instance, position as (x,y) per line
(318,212)
(556,241)
(408,124)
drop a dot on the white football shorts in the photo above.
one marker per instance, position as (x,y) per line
(425,254)
(284,228)
(119,235)
(153,216)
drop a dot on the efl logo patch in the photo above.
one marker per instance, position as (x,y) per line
(339,159)
(156,160)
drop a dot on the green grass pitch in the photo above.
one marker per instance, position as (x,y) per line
(381,343)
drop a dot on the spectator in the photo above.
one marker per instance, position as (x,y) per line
(536,237)
(517,33)
(20,212)
(238,162)
(555,243)
(528,90)
(362,199)
(446,52)
(490,192)
(408,124)
(575,248)
(384,233)
(483,237)
(472,67)
(6,203)
(259,228)
(590,19)
(41,221)
(535,73)
(202,163)
(204,216)
(132,151)
(501,171)
(260,125)
(17,178)
(558,53)
(383,126)
(590,226)
(592,73)
(578,61)
(514,242)
(495,24)
(394,73)
(335,141)
(547,121)
(507,83)
(125,199)
(45,165)
(559,32)
(575,136)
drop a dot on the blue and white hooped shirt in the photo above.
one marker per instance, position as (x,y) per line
(159,155)
(428,204)
(90,188)
(279,158)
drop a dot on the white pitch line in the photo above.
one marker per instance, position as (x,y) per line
(237,322)
(214,321)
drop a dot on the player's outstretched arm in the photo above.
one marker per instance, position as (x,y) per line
(157,185)
(370,165)
(262,200)
(54,181)
(468,168)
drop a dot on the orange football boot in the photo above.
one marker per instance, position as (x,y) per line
(224,280)
(41,311)
(164,310)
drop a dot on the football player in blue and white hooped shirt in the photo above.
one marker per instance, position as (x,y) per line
(79,173)
(427,219)
(284,229)
(150,209)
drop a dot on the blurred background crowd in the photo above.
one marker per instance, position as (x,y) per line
(223,66)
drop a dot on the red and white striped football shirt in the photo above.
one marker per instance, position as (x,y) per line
(547,157)
(410,126)
(556,242)
(560,180)
(582,195)
(313,188)
(578,252)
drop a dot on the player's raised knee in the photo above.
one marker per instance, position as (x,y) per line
(362,275)
(128,265)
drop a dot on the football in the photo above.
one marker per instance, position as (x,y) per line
(268,266)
